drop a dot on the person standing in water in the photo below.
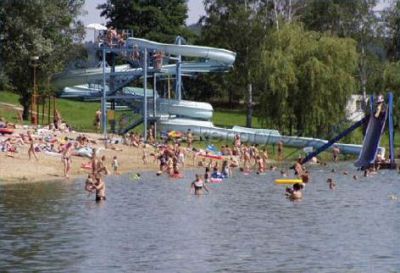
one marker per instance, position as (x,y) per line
(198,186)
(100,188)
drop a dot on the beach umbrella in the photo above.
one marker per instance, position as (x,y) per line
(96,27)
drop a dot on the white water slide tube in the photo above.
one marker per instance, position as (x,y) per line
(217,60)
(207,130)
(223,56)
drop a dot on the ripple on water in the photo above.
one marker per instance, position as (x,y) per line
(243,225)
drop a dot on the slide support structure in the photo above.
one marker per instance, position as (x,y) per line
(335,139)
(391,130)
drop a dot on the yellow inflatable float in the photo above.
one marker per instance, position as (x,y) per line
(288,181)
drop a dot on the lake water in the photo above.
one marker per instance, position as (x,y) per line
(245,224)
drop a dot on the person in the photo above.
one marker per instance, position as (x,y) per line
(335,153)
(66,159)
(380,107)
(94,161)
(31,150)
(100,188)
(237,142)
(295,192)
(189,138)
(331,183)
(57,119)
(198,186)
(98,119)
(280,150)
(89,184)
(115,165)
(101,166)
(298,168)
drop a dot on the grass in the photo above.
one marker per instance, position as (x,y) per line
(80,115)
(228,118)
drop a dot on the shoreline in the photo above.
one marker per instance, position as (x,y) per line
(19,169)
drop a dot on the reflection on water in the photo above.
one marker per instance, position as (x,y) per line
(244,225)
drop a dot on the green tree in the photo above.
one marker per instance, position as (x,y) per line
(45,29)
(392,23)
(355,19)
(158,20)
(238,26)
(306,79)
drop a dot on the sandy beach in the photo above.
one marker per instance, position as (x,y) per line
(19,168)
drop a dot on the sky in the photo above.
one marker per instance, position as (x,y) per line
(196,10)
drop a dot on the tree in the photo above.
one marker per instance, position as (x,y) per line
(306,79)
(238,26)
(355,19)
(37,28)
(157,20)
(392,23)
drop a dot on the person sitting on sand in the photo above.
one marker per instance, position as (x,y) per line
(198,186)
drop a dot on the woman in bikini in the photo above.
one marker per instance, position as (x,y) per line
(31,149)
(66,159)
(198,186)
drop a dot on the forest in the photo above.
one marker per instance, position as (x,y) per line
(299,60)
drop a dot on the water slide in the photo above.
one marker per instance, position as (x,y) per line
(183,115)
(371,141)
(213,60)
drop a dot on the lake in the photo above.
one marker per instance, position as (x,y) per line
(244,224)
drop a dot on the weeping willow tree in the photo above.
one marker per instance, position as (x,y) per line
(306,79)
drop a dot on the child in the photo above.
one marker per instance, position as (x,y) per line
(115,165)
(89,184)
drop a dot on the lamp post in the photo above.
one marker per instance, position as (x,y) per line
(34,116)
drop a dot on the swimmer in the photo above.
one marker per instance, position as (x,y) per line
(295,192)
(284,173)
(355,177)
(332,184)
(345,173)
(198,186)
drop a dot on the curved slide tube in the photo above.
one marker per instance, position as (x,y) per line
(371,141)
(218,60)
(207,130)
(223,56)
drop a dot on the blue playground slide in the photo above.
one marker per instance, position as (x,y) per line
(371,141)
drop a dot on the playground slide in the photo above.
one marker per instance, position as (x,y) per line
(371,141)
